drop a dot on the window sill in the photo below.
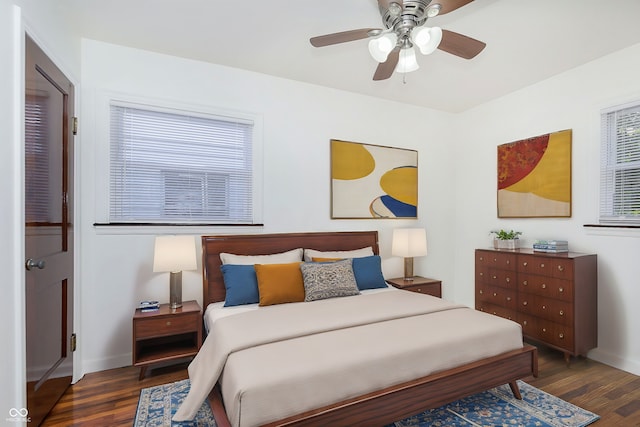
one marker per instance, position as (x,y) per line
(613,230)
(153,229)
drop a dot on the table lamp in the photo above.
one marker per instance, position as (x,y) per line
(409,243)
(174,254)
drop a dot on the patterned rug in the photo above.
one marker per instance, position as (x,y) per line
(496,407)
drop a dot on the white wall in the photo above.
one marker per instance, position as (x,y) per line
(47,23)
(572,100)
(298,122)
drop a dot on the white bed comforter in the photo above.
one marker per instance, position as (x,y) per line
(285,359)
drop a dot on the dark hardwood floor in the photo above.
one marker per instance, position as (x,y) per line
(110,398)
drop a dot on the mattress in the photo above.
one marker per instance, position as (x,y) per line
(278,361)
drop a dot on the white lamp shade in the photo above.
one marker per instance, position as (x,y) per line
(409,242)
(427,39)
(380,47)
(174,253)
(407,62)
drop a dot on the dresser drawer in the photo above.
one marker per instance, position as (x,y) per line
(546,286)
(496,310)
(547,331)
(502,260)
(557,311)
(502,278)
(551,266)
(164,326)
(497,296)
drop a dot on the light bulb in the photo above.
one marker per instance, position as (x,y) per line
(407,61)
(427,39)
(380,47)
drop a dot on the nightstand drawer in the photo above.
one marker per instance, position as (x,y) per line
(163,326)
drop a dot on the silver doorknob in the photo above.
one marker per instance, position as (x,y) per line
(31,264)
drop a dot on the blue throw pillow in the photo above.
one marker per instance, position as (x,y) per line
(241,284)
(368,272)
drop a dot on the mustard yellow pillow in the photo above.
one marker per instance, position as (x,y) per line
(315,259)
(279,283)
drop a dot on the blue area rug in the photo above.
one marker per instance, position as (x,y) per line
(496,407)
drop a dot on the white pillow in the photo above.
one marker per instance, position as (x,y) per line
(309,254)
(294,255)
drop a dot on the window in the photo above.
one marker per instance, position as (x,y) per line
(176,167)
(620,166)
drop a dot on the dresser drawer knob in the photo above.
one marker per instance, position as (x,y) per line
(544,329)
(481,274)
(481,292)
(544,286)
(525,263)
(508,262)
(541,265)
(508,279)
(168,323)
(560,268)
(495,260)
(544,307)
(561,312)
(419,289)
(561,335)
(495,294)
(481,258)
(508,298)
(561,289)
(495,277)
(525,283)
(524,323)
(524,303)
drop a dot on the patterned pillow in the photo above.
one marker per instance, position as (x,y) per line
(328,280)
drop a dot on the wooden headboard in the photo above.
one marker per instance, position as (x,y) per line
(262,244)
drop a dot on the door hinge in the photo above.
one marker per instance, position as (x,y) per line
(74,342)
(75,125)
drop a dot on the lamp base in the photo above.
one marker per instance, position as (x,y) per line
(175,289)
(408,269)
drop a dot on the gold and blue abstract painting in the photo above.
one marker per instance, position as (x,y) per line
(372,181)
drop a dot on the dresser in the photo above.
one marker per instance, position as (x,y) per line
(553,296)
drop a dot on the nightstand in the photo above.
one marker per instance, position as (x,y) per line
(166,334)
(419,284)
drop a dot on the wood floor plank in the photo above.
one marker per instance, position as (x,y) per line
(110,398)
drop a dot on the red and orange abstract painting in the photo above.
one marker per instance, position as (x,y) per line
(534,176)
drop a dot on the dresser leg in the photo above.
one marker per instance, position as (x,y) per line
(567,358)
(143,371)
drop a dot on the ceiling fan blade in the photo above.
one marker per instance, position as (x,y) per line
(386,68)
(341,37)
(450,5)
(460,45)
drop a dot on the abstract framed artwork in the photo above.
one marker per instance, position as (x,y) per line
(372,181)
(534,177)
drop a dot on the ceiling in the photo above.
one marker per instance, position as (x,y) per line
(527,41)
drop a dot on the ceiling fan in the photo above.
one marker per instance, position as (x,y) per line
(404,22)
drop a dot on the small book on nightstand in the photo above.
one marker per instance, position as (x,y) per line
(147,306)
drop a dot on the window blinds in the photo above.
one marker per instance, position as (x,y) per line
(620,167)
(175,167)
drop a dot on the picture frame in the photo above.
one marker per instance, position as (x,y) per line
(534,177)
(372,181)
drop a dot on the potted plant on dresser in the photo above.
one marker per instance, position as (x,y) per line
(505,239)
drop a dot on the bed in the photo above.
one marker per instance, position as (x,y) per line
(391,396)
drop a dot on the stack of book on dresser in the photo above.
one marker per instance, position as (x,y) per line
(551,246)
(147,306)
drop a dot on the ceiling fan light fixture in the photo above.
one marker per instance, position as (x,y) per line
(407,61)
(380,47)
(433,10)
(395,9)
(427,39)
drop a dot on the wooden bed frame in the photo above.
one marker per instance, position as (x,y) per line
(383,406)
